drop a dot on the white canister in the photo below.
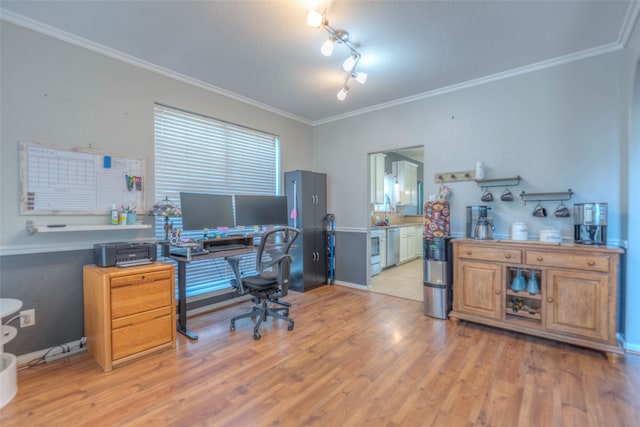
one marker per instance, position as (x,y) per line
(550,235)
(519,231)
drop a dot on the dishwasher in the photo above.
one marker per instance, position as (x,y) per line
(393,246)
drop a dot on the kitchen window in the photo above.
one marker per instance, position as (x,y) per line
(199,154)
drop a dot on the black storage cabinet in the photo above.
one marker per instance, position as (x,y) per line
(306,193)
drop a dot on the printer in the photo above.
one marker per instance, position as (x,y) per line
(124,254)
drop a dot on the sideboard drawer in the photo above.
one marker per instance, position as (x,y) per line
(489,253)
(591,262)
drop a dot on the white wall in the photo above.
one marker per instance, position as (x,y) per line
(558,128)
(59,94)
(630,120)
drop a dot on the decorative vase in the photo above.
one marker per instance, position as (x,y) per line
(532,285)
(518,283)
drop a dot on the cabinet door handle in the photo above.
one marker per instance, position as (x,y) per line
(549,299)
(591,263)
(507,256)
(539,258)
(497,291)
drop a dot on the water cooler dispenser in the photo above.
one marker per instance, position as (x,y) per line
(437,272)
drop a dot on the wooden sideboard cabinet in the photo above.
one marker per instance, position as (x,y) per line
(128,312)
(576,300)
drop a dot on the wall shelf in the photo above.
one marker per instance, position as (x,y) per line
(499,182)
(33,229)
(562,196)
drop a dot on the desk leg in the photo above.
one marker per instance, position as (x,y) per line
(182,302)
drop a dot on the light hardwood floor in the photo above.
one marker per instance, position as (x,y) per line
(404,280)
(355,358)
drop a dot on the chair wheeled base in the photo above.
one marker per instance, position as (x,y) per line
(262,311)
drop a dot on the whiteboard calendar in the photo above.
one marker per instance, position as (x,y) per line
(77,181)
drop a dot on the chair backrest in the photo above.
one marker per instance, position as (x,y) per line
(273,260)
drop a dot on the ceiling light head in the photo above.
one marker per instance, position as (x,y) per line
(349,63)
(360,77)
(343,93)
(327,47)
(314,18)
(342,35)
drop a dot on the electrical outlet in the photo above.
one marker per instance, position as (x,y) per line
(27,318)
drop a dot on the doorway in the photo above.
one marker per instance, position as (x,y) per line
(396,202)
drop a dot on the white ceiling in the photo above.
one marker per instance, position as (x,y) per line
(265,53)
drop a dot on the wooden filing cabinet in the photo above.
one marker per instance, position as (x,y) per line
(128,312)
(577,297)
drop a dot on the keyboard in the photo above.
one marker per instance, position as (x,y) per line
(183,252)
(225,248)
(133,262)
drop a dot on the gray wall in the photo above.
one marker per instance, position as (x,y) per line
(51,283)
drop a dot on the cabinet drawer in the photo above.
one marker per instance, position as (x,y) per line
(592,262)
(137,279)
(138,297)
(489,253)
(139,332)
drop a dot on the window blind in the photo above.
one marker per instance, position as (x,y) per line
(199,154)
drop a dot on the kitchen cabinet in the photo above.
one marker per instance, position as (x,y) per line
(410,243)
(407,176)
(404,244)
(576,300)
(307,199)
(128,312)
(417,241)
(376,167)
(383,248)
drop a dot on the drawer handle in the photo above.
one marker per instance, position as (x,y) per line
(549,299)
(468,252)
(507,256)
(539,258)
(591,263)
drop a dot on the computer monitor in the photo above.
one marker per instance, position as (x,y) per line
(261,210)
(201,210)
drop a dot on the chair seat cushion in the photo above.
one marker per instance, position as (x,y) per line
(259,283)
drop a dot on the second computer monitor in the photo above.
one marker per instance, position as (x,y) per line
(261,210)
(201,210)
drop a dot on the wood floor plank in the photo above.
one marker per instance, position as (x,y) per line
(354,358)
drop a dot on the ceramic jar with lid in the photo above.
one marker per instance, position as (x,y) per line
(519,231)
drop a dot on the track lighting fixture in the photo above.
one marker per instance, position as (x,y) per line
(343,93)
(316,19)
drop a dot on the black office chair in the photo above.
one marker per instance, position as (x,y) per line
(272,282)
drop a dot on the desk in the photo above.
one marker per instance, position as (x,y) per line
(182,279)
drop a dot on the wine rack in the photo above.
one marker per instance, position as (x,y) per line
(524,301)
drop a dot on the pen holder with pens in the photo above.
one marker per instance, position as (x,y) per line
(131,218)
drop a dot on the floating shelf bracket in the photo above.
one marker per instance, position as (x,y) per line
(499,182)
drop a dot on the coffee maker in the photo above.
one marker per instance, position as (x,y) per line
(590,223)
(479,222)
